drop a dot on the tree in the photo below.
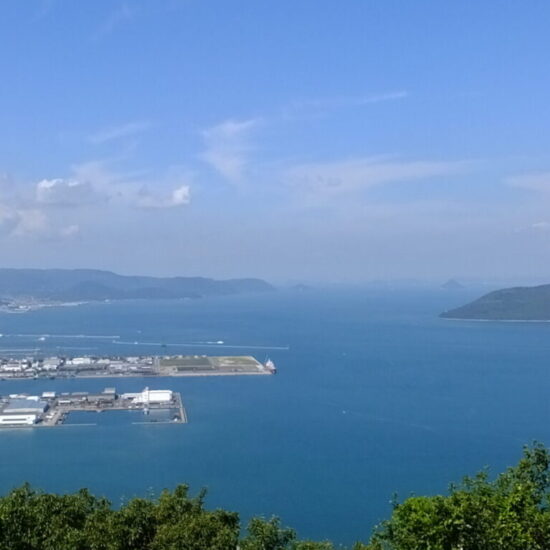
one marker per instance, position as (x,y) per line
(267,535)
(510,513)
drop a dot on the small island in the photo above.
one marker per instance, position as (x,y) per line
(509,304)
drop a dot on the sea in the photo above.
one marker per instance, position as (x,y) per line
(375,397)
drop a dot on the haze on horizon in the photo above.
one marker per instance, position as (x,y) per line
(285,140)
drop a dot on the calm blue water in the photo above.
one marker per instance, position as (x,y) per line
(374,395)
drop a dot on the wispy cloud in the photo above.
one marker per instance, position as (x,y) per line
(139,188)
(63,192)
(325,180)
(33,222)
(9,219)
(536,181)
(118,16)
(179,196)
(349,101)
(118,132)
(323,106)
(227,147)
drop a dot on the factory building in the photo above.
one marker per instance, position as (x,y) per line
(148,396)
(154,396)
(79,361)
(101,398)
(17,419)
(25,406)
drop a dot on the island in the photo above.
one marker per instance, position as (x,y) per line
(508,304)
(452,284)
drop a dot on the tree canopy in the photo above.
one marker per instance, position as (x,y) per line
(510,512)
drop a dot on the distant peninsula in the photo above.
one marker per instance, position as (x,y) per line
(21,288)
(509,304)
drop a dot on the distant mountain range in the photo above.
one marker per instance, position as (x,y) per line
(70,285)
(518,303)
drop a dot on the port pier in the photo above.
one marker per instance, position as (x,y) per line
(51,409)
(132,366)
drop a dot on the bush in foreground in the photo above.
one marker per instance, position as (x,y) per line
(509,513)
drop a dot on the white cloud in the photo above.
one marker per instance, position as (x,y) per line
(171,189)
(118,132)
(32,221)
(63,192)
(120,15)
(26,220)
(227,147)
(541,226)
(35,224)
(536,181)
(9,219)
(178,197)
(103,177)
(328,179)
(70,230)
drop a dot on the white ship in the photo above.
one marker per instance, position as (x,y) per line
(270,366)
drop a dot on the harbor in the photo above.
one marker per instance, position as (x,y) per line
(86,366)
(52,409)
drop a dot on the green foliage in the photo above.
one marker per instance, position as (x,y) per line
(511,512)
(267,535)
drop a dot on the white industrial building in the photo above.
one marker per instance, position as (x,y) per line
(18,419)
(13,367)
(51,363)
(150,396)
(79,361)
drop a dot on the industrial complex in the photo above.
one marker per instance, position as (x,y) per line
(116,366)
(52,409)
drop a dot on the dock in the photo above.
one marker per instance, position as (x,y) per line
(51,409)
(132,366)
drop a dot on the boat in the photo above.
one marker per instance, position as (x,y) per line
(270,366)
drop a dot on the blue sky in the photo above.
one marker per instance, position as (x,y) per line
(307,140)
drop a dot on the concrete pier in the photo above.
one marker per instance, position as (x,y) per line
(50,409)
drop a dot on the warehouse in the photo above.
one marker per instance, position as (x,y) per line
(151,396)
(17,419)
(25,406)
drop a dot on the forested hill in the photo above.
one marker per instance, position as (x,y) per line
(518,303)
(91,284)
